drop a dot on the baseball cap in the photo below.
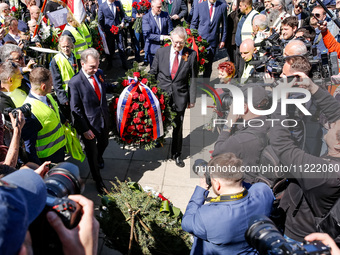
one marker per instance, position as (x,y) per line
(260,96)
(22,199)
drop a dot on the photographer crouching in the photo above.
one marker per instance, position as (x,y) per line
(219,225)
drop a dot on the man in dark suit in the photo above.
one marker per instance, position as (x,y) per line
(208,16)
(177,10)
(111,13)
(173,67)
(156,28)
(89,111)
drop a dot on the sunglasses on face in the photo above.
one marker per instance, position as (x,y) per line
(317,15)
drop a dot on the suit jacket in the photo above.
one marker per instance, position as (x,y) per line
(180,8)
(86,109)
(106,18)
(210,31)
(179,87)
(8,37)
(225,235)
(151,32)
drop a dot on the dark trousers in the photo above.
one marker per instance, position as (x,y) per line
(237,59)
(231,49)
(177,135)
(111,41)
(94,150)
(210,57)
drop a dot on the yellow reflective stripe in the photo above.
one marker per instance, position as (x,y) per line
(51,144)
(50,133)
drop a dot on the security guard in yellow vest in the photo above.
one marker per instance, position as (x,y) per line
(63,67)
(43,132)
(74,30)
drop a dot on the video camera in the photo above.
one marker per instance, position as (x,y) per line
(61,181)
(263,235)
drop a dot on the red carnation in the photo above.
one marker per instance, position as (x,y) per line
(149,112)
(146,104)
(188,31)
(148,130)
(136,74)
(135,106)
(154,90)
(141,98)
(134,133)
(189,40)
(130,128)
(125,83)
(161,100)
(136,120)
(144,80)
(134,5)
(13,9)
(140,127)
(135,95)
(166,45)
(140,114)
(202,61)
(114,30)
(138,7)
(202,49)
(199,38)
(163,118)
(162,106)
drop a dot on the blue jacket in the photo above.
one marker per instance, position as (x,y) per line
(106,18)
(210,31)
(219,227)
(151,32)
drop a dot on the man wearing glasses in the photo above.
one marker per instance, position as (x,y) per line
(299,12)
(173,67)
(318,15)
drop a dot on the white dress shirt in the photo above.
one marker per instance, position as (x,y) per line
(91,81)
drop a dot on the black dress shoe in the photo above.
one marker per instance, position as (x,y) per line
(179,161)
(100,186)
(101,163)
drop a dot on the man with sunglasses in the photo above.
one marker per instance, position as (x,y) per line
(318,15)
(302,15)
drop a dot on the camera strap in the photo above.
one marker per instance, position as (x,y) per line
(228,198)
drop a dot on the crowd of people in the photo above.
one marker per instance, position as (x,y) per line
(274,47)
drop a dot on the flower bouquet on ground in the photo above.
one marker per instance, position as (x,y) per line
(197,43)
(142,7)
(140,222)
(141,111)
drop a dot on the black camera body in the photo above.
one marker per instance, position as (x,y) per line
(25,109)
(263,235)
(61,181)
(201,166)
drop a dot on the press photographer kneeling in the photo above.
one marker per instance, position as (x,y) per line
(219,225)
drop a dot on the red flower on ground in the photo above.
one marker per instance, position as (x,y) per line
(136,74)
(154,90)
(140,128)
(148,130)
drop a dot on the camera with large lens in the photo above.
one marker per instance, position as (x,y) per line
(263,235)
(61,181)
(25,109)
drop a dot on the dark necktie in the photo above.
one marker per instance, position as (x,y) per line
(96,87)
(211,9)
(174,66)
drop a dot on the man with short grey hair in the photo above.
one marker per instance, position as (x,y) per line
(90,116)
(63,67)
(181,63)
(295,47)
